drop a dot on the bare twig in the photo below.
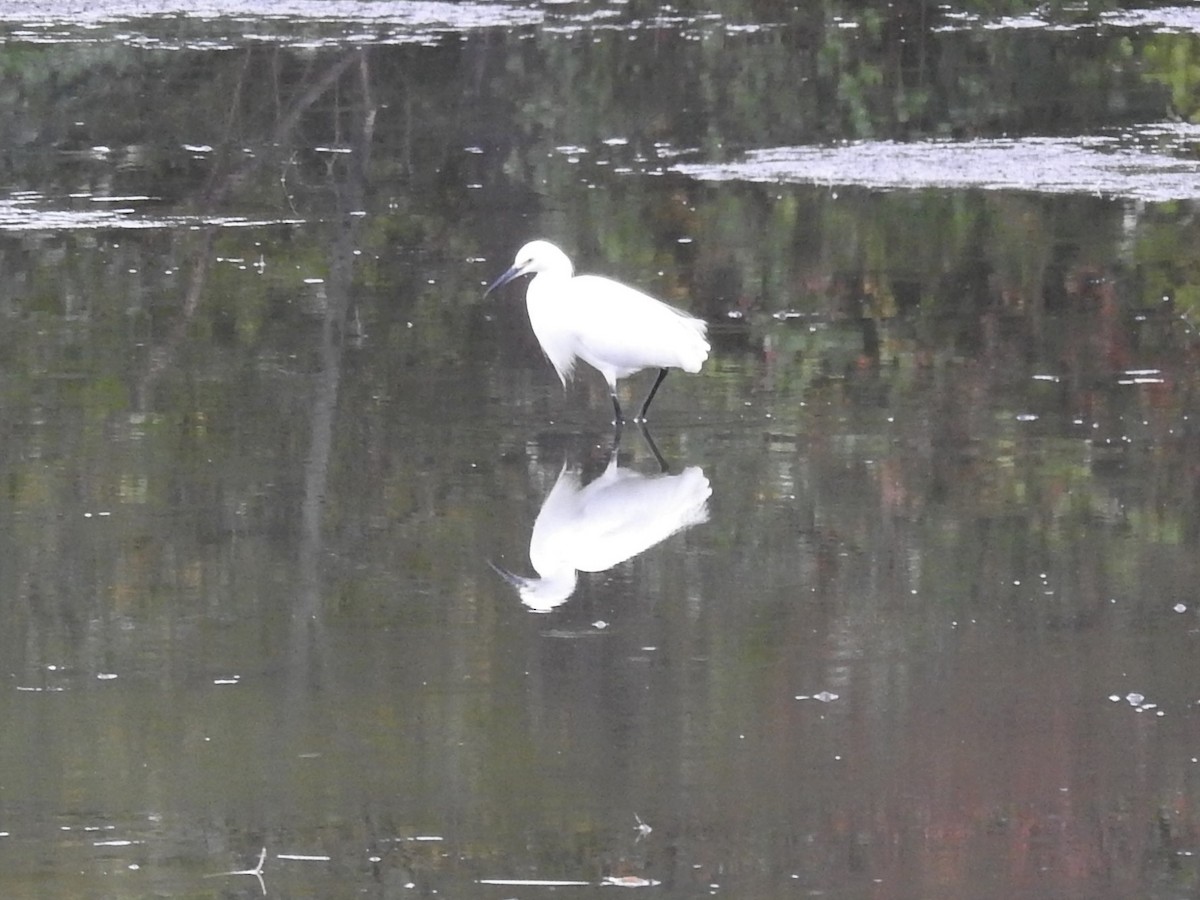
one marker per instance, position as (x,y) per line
(257,871)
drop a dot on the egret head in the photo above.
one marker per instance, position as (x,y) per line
(535,257)
(541,594)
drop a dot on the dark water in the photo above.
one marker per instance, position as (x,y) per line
(911,613)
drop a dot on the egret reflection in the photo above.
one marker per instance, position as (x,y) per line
(593,527)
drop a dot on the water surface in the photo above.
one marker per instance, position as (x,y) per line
(911,610)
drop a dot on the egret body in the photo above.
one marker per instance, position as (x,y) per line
(614,328)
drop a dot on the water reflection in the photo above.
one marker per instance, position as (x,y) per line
(954,432)
(593,527)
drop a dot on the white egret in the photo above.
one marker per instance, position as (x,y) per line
(613,328)
(594,527)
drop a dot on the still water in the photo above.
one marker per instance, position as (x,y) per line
(314,582)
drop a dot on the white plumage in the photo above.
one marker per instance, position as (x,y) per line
(593,527)
(612,327)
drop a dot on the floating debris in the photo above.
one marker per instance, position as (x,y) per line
(1137,701)
(532,882)
(629,881)
(1142,379)
(257,872)
(642,828)
(132,198)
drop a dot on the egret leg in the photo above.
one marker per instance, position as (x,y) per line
(618,419)
(662,462)
(662,373)
(618,427)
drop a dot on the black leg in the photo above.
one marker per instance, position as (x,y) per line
(618,427)
(619,419)
(662,373)
(662,463)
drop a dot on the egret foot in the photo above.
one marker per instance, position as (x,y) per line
(618,416)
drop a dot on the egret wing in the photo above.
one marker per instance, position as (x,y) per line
(630,513)
(620,330)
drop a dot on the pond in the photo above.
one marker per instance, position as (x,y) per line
(316,581)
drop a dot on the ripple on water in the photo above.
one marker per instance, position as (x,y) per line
(30,212)
(381,21)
